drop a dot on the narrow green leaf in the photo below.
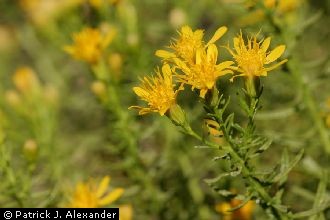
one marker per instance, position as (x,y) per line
(205,147)
(281,208)
(226,193)
(321,195)
(225,156)
(216,179)
(287,167)
(312,211)
(244,105)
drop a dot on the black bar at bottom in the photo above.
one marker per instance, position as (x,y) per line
(59,213)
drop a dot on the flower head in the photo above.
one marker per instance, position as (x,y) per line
(158,91)
(252,57)
(92,195)
(189,41)
(89,44)
(203,73)
(186,46)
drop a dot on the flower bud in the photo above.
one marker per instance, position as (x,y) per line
(30,149)
(99,89)
(252,85)
(115,61)
(177,17)
(178,116)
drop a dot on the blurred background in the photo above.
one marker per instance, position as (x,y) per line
(65,120)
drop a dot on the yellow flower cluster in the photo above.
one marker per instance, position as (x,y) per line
(197,60)
(193,62)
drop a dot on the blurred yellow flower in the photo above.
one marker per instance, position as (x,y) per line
(270,3)
(190,41)
(99,89)
(100,3)
(30,149)
(25,80)
(89,44)
(203,73)
(279,9)
(244,213)
(283,6)
(95,3)
(251,18)
(7,38)
(41,12)
(92,195)
(115,61)
(177,17)
(252,57)
(158,91)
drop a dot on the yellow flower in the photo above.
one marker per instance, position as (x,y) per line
(252,57)
(244,213)
(92,195)
(89,44)
(158,91)
(189,42)
(203,73)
